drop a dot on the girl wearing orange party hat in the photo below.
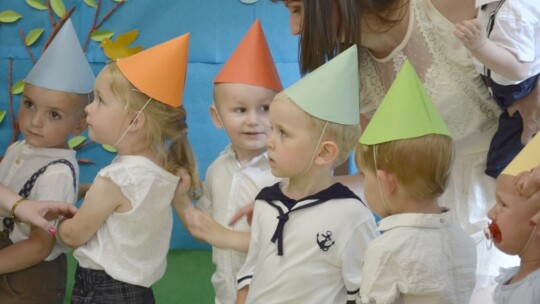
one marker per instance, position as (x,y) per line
(122,230)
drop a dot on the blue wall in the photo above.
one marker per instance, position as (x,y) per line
(216,27)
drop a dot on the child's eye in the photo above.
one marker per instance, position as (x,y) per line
(55,115)
(282,133)
(265,108)
(28,104)
(240,110)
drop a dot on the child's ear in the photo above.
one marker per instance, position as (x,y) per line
(215,116)
(137,122)
(388,182)
(327,153)
(81,126)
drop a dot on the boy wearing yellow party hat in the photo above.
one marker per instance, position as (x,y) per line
(309,233)
(406,155)
(243,90)
(513,233)
(42,166)
(122,230)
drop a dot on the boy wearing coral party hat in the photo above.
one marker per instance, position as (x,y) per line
(406,155)
(243,90)
(42,166)
(122,230)
(309,233)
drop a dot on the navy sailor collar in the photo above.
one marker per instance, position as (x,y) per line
(274,193)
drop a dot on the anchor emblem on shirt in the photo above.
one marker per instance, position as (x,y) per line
(324,240)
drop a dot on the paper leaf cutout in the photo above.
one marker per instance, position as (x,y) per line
(99,35)
(2,115)
(58,8)
(248,1)
(90,3)
(118,49)
(9,16)
(109,148)
(33,36)
(37,4)
(17,88)
(120,1)
(76,141)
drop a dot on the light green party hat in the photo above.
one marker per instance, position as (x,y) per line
(405,112)
(331,92)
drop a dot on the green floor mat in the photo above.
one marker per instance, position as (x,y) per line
(186,281)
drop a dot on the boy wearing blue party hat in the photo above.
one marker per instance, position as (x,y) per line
(42,166)
(406,156)
(309,234)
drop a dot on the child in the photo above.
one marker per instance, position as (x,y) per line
(505,40)
(406,156)
(309,235)
(243,90)
(122,230)
(43,167)
(513,233)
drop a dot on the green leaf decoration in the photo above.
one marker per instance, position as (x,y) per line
(99,35)
(120,1)
(37,4)
(109,148)
(17,88)
(76,141)
(9,16)
(2,115)
(33,36)
(90,3)
(58,8)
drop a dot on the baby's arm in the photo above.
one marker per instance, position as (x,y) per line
(496,58)
(26,253)
(103,198)
(242,295)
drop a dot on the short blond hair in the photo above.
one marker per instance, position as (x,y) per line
(165,130)
(422,165)
(344,136)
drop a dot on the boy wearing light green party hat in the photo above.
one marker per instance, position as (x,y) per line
(42,166)
(309,234)
(406,155)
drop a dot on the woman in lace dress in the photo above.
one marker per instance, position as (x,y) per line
(421,30)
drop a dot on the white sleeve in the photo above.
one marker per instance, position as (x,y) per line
(246,272)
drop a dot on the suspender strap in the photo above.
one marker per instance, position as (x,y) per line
(25,190)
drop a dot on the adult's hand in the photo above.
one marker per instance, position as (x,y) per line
(38,213)
(529,109)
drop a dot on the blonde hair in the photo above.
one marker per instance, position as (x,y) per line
(165,128)
(422,165)
(344,136)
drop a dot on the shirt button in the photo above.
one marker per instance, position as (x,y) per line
(18,161)
(442,221)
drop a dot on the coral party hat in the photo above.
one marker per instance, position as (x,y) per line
(251,63)
(160,71)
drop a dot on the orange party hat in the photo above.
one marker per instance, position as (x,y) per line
(251,63)
(160,71)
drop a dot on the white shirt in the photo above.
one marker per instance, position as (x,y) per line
(526,291)
(132,246)
(323,248)
(517,29)
(229,187)
(55,184)
(419,259)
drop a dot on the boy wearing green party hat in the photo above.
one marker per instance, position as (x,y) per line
(309,233)
(406,155)
(42,166)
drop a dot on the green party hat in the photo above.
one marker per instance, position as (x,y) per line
(331,92)
(405,112)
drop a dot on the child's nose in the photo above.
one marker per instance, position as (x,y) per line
(252,117)
(37,120)
(491,213)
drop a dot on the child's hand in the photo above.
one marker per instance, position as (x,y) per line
(528,183)
(181,195)
(246,211)
(471,33)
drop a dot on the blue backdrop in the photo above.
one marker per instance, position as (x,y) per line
(216,27)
